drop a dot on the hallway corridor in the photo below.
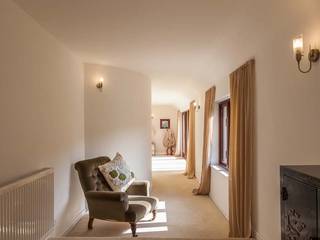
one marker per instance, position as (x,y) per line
(180,214)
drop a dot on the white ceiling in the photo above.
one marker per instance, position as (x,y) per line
(183,46)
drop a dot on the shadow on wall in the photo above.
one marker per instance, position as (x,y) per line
(70,211)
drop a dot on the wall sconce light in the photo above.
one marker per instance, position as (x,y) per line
(100,83)
(313,54)
(196,106)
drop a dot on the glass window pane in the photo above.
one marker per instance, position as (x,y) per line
(224,111)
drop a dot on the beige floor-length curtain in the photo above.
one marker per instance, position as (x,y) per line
(190,167)
(204,187)
(179,134)
(185,131)
(241,150)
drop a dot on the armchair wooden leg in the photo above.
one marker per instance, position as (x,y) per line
(133,229)
(90,223)
(154,215)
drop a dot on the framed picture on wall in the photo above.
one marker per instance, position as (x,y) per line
(164,123)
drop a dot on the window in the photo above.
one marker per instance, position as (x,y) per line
(224,132)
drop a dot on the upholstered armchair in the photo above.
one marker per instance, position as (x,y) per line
(103,203)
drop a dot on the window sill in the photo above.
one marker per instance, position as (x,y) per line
(220,170)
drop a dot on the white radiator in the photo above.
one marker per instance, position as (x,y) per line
(27,207)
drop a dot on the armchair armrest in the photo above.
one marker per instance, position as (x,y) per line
(139,188)
(107,205)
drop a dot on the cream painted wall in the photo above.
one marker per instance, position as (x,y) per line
(41,104)
(118,119)
(219,189)
(287,108)
(162,112)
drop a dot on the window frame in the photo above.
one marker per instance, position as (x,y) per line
(221,105)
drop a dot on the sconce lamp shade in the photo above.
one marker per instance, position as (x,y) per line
(298,44)
(196,106)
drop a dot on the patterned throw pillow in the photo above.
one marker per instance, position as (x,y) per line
(117,173)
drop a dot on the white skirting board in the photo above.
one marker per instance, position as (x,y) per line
(74,221)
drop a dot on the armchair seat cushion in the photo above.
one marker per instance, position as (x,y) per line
(149,202)
(139,207)
(145,204)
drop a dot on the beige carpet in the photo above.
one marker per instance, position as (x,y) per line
(141,238)
(181,215)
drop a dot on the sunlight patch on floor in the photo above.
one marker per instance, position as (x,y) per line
(168,163)
(149,229)
(161,218)
(161,205)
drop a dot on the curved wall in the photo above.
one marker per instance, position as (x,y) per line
(118,118)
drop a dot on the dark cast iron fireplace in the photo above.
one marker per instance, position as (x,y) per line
(300,202)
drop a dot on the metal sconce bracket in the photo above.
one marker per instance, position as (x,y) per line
(197,107)
(313,57)
(99,85)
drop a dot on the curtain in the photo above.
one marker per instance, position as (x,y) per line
(190,167)
(204,187)
(179,134)
(185,130)
(241,150)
